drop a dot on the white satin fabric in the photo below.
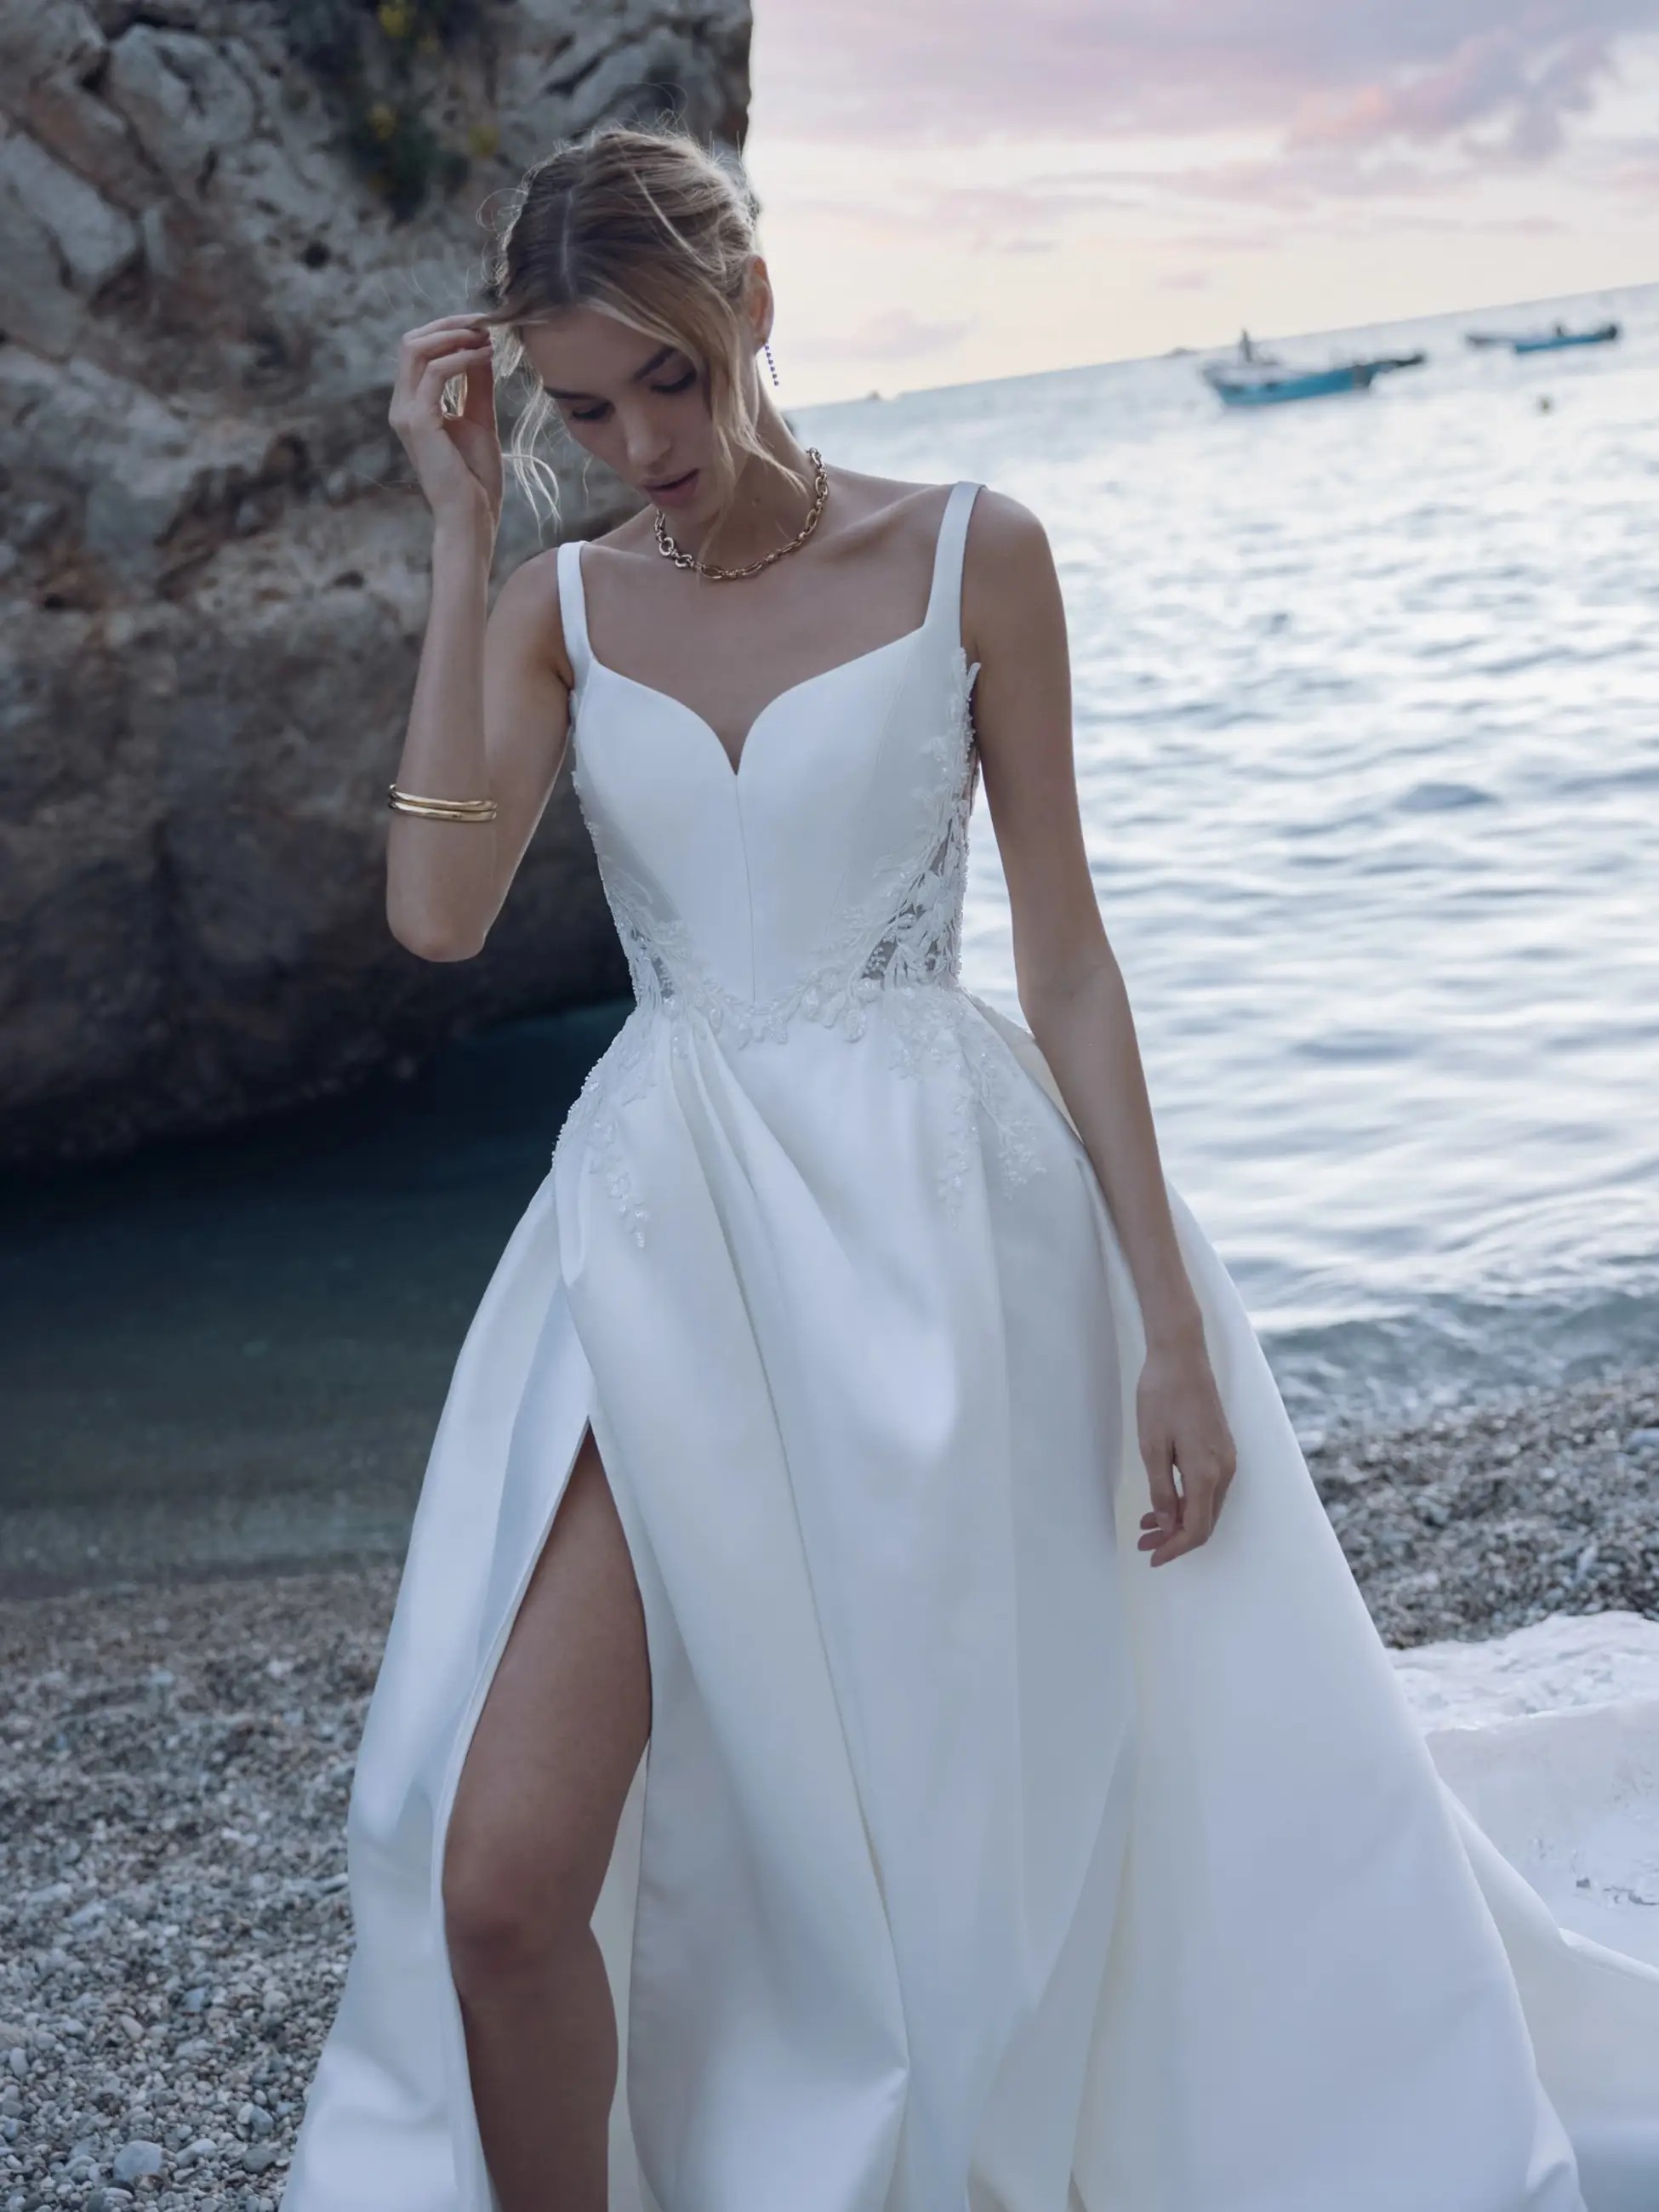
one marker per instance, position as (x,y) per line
(973,1866)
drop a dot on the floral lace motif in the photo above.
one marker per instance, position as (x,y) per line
(898,953)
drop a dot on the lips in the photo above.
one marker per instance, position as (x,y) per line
(675,491)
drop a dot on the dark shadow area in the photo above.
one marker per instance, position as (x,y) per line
(231,1354)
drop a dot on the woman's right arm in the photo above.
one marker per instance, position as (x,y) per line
(490,713)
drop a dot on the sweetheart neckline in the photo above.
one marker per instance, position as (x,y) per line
(734,768)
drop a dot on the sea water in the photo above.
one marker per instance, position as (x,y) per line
(1366,713)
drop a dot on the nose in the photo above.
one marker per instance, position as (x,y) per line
(648,447)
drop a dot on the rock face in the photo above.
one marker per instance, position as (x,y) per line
(214,222)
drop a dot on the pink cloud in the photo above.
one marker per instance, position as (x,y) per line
(1409,70)
(1499,74)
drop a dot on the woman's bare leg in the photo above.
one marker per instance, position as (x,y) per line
(529,1836)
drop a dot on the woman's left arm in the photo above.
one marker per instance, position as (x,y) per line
(1071,993)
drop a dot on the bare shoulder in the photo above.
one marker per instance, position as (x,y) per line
(1009,586)
(1004,538)
(887,519)
(634,533)
(526,620)
(880,507)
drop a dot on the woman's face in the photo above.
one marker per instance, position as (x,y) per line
(639,406)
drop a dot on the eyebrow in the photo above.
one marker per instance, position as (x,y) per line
(648,367)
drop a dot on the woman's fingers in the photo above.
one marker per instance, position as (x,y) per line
(1166,1515)
(1204,1484)
(1184,1434)
(466,361)
(425,332)
(420,347)
(417,405)
(456,451)
(1181,1518)
(478,404)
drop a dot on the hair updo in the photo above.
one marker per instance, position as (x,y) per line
(656,229)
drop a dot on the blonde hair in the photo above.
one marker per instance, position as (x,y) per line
(655,228)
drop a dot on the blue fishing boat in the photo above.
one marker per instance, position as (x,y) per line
(1238,386)
(1553,340)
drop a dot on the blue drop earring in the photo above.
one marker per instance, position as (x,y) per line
(766,347)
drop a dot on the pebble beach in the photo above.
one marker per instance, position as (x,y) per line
(173,1920)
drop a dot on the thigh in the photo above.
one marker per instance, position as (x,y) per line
(565,1722)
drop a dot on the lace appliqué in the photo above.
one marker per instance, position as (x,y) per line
(897,957)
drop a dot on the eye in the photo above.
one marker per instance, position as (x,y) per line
(601,408)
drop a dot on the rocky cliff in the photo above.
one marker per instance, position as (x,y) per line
(215,221)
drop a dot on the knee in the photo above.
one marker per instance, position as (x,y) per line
(511,1908)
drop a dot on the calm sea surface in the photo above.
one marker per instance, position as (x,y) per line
(1367,714)
(1367,697)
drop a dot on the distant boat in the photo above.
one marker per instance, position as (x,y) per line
(1553,340)
(1487,338)
(1238,386)
(1384,362)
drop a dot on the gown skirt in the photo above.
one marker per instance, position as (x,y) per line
(972,1865)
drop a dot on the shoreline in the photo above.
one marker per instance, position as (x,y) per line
(1469,1520)
(178,1755)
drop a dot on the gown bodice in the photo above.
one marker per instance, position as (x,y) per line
(815,888)
(828,866)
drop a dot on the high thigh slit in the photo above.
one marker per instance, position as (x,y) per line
(540,1824)
(971,1866)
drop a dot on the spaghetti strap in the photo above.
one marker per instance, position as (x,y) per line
(945,598)
(572,610)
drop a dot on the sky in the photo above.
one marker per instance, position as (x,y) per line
(954,190)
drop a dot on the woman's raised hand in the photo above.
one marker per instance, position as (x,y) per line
(457,455)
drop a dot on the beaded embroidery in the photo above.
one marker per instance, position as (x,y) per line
(897,955)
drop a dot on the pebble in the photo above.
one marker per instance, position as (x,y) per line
(137,2161)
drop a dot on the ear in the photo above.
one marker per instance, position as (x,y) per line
(758,299)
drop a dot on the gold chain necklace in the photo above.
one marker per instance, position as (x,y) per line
(682,559)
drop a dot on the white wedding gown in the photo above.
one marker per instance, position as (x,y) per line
(974,1865)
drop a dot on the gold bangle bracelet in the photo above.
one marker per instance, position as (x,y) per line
(440,810)
(457,806)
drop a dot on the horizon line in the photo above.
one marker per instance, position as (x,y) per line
(1167,353)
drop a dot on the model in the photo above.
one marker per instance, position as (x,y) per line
(876,1718)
